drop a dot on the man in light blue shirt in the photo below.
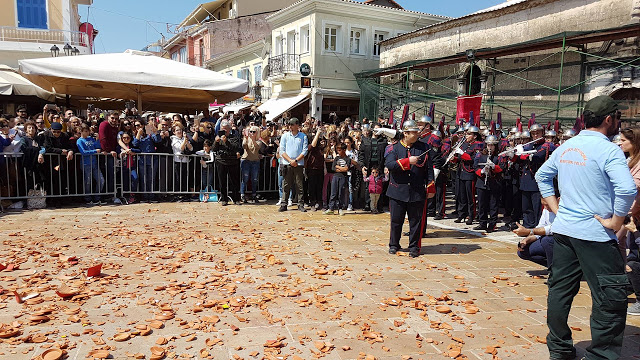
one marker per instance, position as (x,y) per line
(597,191)
(293,148)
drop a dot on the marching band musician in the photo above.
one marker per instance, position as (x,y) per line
(438,157)
(410,184)
(465,155)
(530,162)
(488,167)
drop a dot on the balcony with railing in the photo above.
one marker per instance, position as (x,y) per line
(284,64)
(39,36)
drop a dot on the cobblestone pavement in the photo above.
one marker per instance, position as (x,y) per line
(191,280)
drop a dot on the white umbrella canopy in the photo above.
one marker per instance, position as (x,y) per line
(12,83)
(133,75)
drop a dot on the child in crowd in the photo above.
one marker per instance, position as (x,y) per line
(89,147)
(374,184)
(341,165)
(207,163)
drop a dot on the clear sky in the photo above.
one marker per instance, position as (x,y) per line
(133,24)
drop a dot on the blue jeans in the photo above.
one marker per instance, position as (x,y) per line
(250,170)
(148,168)
(539,251)
(129,179)
(207,177)
(90,173)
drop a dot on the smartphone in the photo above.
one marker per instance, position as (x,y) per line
(222,133)
(50,106)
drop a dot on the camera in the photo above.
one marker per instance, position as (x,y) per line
(222,133)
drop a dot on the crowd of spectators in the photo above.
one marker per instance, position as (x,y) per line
(121,157)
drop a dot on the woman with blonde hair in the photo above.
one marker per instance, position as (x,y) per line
(250,163)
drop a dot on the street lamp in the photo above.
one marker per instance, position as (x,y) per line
(55,50)
(75,51)
(67,49)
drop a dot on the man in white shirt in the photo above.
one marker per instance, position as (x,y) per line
(537,246)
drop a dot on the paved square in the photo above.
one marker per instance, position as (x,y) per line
(203,281)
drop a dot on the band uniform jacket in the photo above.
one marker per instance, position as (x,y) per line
(409,183)
(528,167)
(492,180)
(465,169)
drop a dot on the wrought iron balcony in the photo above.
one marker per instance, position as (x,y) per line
(284,64)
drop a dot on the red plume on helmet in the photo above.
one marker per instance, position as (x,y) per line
(492,127)
(549,125)
(577,126)
(500,120)
(432,110)
(391,120)
(413,116)
(441,126)
(532,120)
(405,115)
(448,130)
(556,126)
(520,127)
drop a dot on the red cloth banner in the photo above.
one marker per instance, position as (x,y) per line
(467,104)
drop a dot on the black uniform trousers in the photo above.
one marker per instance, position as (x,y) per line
(414,211)
(465,198)
(439,199)
(531,208)
(488,204)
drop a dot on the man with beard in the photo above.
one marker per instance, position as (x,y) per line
(596,191)
(370,156)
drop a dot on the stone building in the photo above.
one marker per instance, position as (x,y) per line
(525,56)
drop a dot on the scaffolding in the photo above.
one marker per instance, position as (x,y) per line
(546,77)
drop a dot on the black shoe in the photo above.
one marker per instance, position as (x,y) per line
(480,227)
(491,228)
(470,221)
(569,356)
(282,208)
(438,217)
(301,208)
(414,254)
(393,251)
(224,203)
(458,220)
(431,214)
(367,208)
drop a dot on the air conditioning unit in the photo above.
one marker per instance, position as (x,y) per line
(232,13)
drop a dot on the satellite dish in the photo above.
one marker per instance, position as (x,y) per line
(266,46)
(265,73)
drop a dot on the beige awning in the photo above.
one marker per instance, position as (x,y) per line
(201,12)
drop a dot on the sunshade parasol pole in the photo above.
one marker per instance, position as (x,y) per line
(139,104)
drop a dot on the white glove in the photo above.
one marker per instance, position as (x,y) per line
(531,157)
(436,172)
(483,171)
(492,166)
(519,150)
(459,151)
(390,133)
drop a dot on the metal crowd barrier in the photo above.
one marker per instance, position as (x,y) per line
(101,176)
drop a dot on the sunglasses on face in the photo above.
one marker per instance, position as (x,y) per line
(39,122)
(138,124)
(127,124)
(252,132)
(125,138)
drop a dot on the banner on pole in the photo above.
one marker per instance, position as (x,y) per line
(467,104)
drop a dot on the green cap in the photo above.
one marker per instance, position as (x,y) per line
(603,105)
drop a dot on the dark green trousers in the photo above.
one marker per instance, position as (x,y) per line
(603,268)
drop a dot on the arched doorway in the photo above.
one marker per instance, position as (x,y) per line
(472,78)
(631,98)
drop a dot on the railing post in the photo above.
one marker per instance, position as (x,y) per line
(564,44)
